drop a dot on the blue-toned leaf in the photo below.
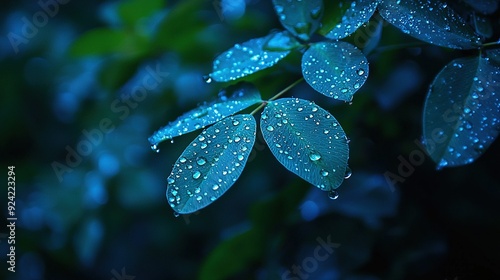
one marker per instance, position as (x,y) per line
(242,96)
(482,25)
(346,16)
(483,6)
(211,164)
(462,111)
(431,21)
(245,59)
(335,69)
(281,41)
(301,18)
(307,140)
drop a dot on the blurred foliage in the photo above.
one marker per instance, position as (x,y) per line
(76,85)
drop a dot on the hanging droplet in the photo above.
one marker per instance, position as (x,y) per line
(333,194)
(207,79)
(176,214)
(348,173)
(155,148)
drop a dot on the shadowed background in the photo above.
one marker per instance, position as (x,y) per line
(84,84)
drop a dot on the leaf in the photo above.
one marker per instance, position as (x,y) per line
(430,21)
(462,111)
(281,41)
(250,246)
(335,69)
(345,17)
(307,140)
(482,25)
(245,59)
(211,164)
(301,18)
(102,41)
(131,11)
(243,96)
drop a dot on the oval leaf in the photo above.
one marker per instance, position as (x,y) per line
(434,22)
(345,17)
(462,111)
(211,164)
(245,59)
(243,95)
(301,18)
(307,140)
(336,70)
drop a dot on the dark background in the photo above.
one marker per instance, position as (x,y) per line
(106,217)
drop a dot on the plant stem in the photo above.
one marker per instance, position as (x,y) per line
(264,103)
(491,44)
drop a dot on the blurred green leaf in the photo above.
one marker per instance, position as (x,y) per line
(132,11)
(233,255)
(102,41)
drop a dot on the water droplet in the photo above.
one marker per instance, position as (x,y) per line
(314,156)
(348,173)
(333,194)
(264,116)
(215,187)
(196,175)
(324,173)
(155,148)
(170,180)
(182,160)
(176,214)
(207,79)
(361,72)
(236,122)
(269,128)
(201,161)
(241,157)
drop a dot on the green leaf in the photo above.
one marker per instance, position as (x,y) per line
(131,11)
(234,254)
(242,96)
(431,21)
(307,140)
(301,18)
(102,41)
(281,41)
(335,69)
(211,164)
(245,59)
(345,17)
(462,111)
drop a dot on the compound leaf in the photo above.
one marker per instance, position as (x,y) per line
(245,59)
(307,140)
(211,164)
(335,69)
(243,95)
(301,18)
(431,21)
(345,17)
(462,111)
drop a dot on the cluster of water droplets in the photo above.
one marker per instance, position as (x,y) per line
(307,140)
(243,95)
(211,164)
(431,21)
(358,13)
(244,59)
(336,70)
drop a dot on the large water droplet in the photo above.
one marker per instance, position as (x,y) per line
(207,79)
(176,214)
(314,156)
(348,173)
(170,180)
(269,128)
(201,161)
(196,175)
(182,160)
(333,194)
